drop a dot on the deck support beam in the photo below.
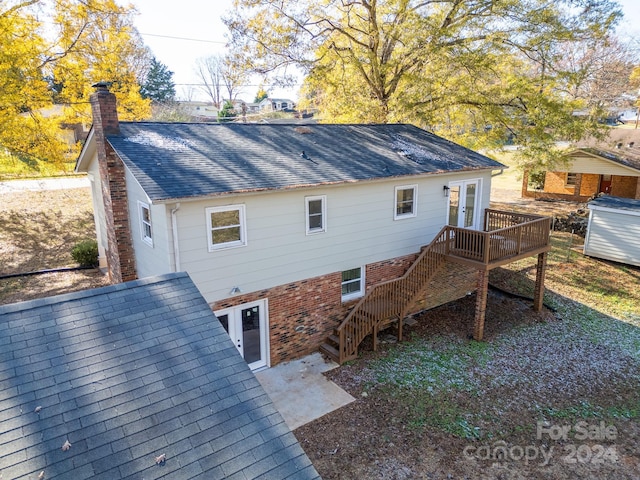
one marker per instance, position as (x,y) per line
(481,304)
(538,294)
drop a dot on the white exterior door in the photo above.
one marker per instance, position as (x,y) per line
(247,326)
(463,204)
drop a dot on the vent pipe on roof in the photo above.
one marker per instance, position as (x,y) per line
(631,144)
(619,145)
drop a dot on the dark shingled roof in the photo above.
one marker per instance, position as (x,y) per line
(174,160)
(128,373)
(615,147)
(617,203)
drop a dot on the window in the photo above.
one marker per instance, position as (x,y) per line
(226,227)
(405,202)
(145,223)
(316,210)
(572,179)
(352,283)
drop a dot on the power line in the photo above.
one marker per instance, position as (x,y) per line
(182,38)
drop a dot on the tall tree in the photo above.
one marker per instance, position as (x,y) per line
(158,84)
(222,76)
(474,70)
(54,50)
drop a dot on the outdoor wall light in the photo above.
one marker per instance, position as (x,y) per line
(235,290)
(445,189)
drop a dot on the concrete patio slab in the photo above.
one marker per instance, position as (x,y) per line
(299,390)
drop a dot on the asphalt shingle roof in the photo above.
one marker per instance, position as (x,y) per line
(618,203)
(174,160)
(128,373)
(615,147)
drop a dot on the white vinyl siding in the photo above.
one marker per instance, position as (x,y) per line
(613,235)
(279,251)
(226,227)
(316,214)
(584,163)
(156,260)
(406,197)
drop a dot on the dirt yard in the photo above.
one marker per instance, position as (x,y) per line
(37,232)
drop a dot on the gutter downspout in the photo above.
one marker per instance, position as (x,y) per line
(174,231)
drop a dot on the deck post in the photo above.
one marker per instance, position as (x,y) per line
(481,304)
(538,294)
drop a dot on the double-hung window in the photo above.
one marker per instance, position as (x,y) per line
(316,214)
(226,227)
(145,223)
(352,283)
(406,197)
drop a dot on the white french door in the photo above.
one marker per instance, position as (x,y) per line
(463,204)
(246,324)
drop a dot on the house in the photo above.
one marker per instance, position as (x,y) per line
(614,229)
(134,380)
(609,166)
(284,228)
(276,104)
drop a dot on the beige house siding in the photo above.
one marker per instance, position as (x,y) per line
(613,235)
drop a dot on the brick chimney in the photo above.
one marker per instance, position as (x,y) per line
(119,251)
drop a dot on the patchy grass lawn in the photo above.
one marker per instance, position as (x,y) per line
(443,406)
(37,232)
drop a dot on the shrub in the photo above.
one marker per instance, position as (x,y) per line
(86,253)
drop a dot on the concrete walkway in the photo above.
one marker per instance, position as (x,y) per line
(34,185)
(300,392)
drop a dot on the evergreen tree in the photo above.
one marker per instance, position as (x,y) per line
(158,84)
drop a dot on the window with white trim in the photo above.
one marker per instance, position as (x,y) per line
(406,197)
(352,283)
(146,232)
(316,214)
(226,227)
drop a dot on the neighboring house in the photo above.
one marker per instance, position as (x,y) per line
(282,227)
(201,111)
(276,104)
(135,380)
(609,166)
(613,231)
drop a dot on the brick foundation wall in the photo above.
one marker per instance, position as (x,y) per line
(302,314)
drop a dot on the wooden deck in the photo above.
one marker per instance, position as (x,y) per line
(506,237)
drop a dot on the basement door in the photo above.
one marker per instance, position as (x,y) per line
(246,324)
(463,202)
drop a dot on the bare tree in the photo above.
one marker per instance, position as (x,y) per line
(222,78)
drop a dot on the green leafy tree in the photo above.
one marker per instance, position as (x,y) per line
(158,83)
(261,94)
(227,113)
(52,51)
(475,71)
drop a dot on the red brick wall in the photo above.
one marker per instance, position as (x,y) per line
(119,251)
(626,187)
(302,314)
(589,184)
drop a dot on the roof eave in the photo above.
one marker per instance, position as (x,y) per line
(86,154)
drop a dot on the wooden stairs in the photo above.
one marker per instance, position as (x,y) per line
(386,303)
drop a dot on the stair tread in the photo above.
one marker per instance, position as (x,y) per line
(334,338)
(329,350)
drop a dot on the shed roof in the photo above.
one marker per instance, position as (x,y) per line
(179,161)
(617,203)
(126,374)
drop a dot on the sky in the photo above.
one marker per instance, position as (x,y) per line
(197,31)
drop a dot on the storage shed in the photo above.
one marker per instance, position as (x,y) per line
(613,232)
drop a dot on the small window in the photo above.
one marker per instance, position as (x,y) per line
(145,223)
(226,227)
(316,210)
(352,283)
(572,179)
(405,201)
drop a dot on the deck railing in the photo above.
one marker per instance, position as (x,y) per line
(506,236)
(390,299)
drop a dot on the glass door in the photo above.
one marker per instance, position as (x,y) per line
(463,201)
(246,326)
